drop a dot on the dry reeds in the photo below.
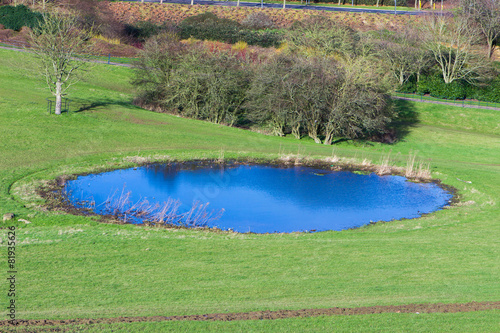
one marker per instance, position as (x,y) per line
(166,213)
(414,169)
(383,168)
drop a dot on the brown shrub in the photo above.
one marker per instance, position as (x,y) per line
(25,31)
(122,50)
(6,34)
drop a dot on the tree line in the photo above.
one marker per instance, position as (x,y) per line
(288,93)
(325,81)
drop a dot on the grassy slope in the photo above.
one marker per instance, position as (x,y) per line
(74,267)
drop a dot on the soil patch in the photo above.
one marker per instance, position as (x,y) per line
(260,315)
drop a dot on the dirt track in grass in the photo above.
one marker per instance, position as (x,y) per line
(260,315)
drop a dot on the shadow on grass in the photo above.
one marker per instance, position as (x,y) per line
(407,117)
(80,105)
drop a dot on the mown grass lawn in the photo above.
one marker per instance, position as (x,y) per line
(75,267)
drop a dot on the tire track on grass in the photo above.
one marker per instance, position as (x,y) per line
(268,315)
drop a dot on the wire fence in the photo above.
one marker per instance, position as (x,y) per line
(462,103)
(51,105)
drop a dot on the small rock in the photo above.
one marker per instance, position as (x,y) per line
(25,221)
(8,216)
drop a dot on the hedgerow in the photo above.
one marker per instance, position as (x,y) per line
(16,17)
(208,26)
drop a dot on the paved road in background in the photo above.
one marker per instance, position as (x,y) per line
(288,6)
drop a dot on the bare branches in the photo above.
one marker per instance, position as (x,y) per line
(402,51)
(323,36)
(486,15)
(59,45)
(451,41)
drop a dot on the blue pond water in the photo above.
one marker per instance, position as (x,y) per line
(260,199)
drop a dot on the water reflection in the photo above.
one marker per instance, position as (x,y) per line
(263,199)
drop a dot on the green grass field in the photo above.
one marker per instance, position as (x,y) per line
(75,267)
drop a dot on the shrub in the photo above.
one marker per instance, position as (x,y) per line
(489,92)
(16,17)
(323,35)
(436,87)
(264,38)
(258,20)
(410,86)
(142,30)
(208,26)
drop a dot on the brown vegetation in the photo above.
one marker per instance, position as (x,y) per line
(132,12)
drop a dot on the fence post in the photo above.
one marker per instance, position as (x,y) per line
(49,105)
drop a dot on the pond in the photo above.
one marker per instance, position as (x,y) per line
(254,198)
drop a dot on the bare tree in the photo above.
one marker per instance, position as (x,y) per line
(404,53)
(358,104)
(324,36)
(157,63)
(60,47)
(268,96)
(400,58)
(451,41)
(311,85)
(486,15)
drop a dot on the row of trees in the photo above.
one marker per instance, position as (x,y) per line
(318,96)
(331,64)
(329,81)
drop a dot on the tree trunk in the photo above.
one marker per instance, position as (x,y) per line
(58,97)
(284,4)
(278,127)
(238,3)
(378,2)
(328,134)
(278,131)
(491,48)
(296,131)
(315,137)
(328,139)
(313,133)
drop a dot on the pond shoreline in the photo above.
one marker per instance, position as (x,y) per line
(55,200)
